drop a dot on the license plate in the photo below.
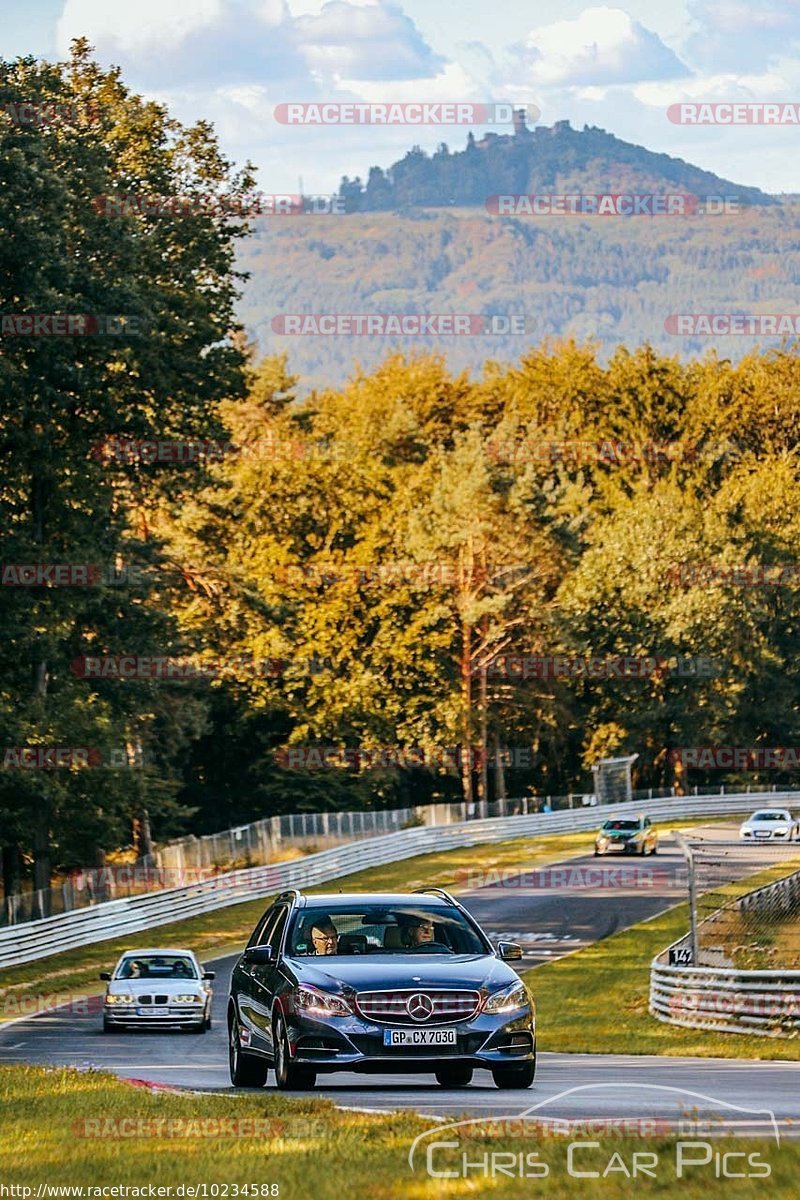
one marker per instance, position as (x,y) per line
(419,1037)
(152,1012)
(763,833)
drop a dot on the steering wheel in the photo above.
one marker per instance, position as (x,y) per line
(431,948)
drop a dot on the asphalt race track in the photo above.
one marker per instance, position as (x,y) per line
(551,911)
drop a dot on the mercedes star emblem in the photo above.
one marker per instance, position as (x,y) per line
(419,1006)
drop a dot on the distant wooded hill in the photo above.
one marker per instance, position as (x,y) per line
(558,159)
(611,279)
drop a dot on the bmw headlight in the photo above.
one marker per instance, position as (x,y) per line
(509,999)
(119,998)
(318,1003)
(187,999)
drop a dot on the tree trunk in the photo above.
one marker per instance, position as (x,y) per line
(11,869)
(144,848)
(500,777)
(41,863)
(466,693)
(484,750)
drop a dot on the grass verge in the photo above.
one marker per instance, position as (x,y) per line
(84,1129)
(595,1001)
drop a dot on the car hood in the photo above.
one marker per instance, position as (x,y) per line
(164,987)
(383,972)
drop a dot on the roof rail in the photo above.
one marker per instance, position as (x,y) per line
(436,892)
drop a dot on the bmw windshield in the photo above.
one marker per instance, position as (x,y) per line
(377,929)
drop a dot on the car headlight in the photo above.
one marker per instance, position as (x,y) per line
(187,999)
(326,1004)
(119,998)
(508,999)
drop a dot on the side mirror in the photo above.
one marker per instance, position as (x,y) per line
(105,975)
(258,956)
(509,951)
(209,974)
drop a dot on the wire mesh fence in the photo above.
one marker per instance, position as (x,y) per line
(745,900)
(194,859)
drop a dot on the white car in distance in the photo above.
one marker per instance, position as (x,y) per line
(770,824)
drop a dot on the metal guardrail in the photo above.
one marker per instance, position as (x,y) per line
(761,1002)
(766,1003)
(134,914)
(189,859)
(259,841)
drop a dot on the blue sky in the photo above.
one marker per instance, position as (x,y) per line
(616,66)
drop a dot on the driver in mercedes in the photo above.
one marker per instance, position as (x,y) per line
(417,932)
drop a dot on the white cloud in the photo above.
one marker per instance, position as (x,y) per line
(712,87)
(241,42)
(273,12)
(364,41)
(601,46)
(730,35)
(313,8)
(140,28)
(452,83)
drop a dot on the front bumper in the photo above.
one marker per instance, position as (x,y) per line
(355,1044)
(616,846)
(183,1017)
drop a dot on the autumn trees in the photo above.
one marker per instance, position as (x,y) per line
(149,301)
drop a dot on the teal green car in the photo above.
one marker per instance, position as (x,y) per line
(628,835)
